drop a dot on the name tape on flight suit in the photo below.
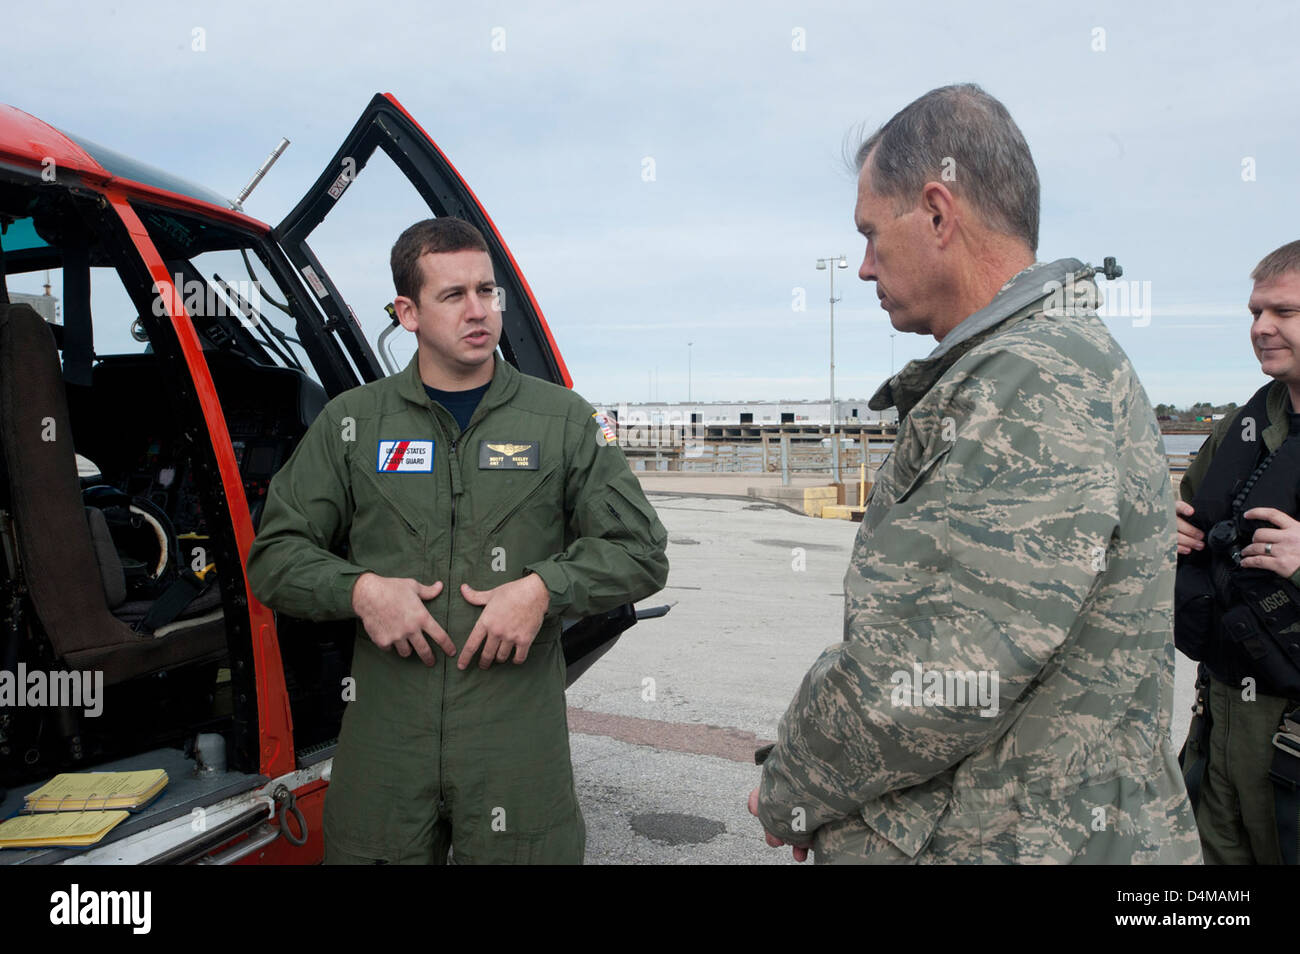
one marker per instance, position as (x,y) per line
(508,455)
(396,457)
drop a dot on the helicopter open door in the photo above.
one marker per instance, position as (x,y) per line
(526,341)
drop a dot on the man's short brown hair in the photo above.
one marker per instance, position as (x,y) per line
(446,234)
(1277,263)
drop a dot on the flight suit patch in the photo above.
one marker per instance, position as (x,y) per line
(608,433)
(509,455)
(396,457)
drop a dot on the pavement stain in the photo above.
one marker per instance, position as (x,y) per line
(676,828)
(697,739)
(791,544)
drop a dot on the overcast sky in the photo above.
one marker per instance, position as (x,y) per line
(1166,136)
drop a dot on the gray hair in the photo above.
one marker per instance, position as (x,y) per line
(962,136)
(1277,263)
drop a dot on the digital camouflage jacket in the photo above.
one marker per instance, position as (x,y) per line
(1003,689)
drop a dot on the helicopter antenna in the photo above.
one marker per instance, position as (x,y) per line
(262,170)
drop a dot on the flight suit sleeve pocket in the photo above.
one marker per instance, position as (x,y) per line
(633,514)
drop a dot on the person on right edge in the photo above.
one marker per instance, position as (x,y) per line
(1237,597)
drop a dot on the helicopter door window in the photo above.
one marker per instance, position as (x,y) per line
(354,241)
(233,284)
(233,299)
(384,148)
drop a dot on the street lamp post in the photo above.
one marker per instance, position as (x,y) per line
(830,264)
(689,345)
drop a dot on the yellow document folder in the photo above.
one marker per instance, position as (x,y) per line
(81,791)
(75,829)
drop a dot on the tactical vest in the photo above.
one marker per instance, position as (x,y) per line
(1242,622)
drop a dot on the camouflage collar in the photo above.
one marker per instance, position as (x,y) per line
(1017,298)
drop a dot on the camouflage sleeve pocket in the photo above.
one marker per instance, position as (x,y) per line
(922,473)
(901,563)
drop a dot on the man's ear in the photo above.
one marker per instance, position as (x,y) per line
(406,310)
(940,207)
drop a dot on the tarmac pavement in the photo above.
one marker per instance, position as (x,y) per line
(663,728)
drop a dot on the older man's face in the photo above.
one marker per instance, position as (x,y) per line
(900,257)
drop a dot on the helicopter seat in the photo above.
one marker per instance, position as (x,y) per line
(57,551)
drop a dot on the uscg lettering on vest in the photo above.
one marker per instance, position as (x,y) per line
(508,455)
(396,457)
(1274,601)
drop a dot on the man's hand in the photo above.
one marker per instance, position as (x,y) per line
(800,851)
(512,615)
(1189,537)
(392,610)
(1273,549)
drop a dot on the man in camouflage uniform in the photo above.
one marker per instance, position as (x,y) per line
(1003,689)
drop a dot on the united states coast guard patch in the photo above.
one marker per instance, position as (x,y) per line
(396,457)
(607,433)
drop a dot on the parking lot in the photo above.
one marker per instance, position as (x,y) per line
(663,728)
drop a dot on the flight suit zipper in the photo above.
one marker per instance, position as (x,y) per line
(454,468)
(457,488)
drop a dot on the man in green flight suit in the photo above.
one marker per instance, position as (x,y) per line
(479,506)
(1245,476)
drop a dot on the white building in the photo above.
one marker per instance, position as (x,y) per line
(849,410)
(47,306)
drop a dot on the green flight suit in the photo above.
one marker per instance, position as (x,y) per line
(431,757)
(1235,813)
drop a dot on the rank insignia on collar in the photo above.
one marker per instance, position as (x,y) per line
(508,455)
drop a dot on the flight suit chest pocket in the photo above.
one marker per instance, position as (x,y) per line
(390,525)
(518,505)
(514,496)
